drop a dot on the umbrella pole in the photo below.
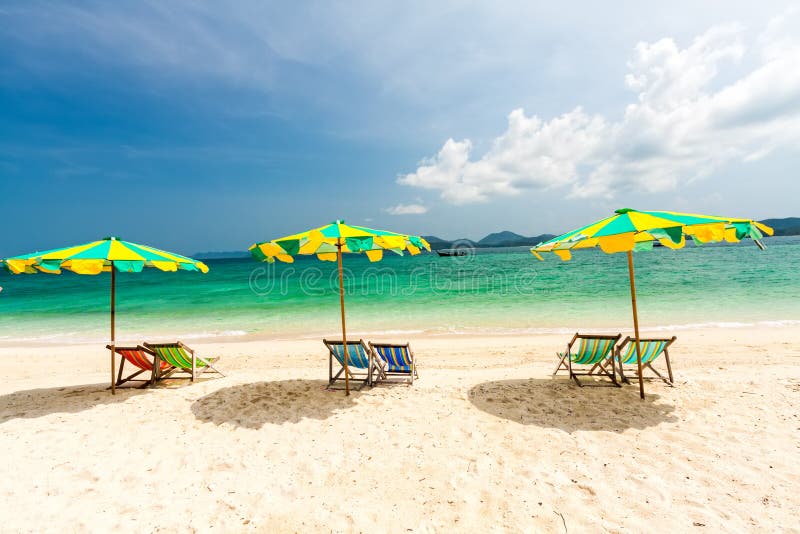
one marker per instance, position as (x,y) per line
(636,323)
(113,363)
(344,328)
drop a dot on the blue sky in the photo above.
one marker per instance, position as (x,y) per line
(197,127)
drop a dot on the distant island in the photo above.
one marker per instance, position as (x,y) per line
(782,227)
(786,226)
(506,238)
(498,239)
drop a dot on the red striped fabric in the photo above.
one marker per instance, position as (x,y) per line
(141,359)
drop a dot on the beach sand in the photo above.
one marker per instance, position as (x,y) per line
(486,440)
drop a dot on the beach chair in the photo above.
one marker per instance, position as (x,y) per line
(182,359)
(361,365)
(651,349)
(397,359)
(592,351)
(142,359)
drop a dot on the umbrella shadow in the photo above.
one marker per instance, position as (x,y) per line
(284,401)
(554,403)
(34,403)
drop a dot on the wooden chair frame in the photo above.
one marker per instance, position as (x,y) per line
(132,377)
(411,375)
(565,360)
(667,379)
(357,374)
(194,372)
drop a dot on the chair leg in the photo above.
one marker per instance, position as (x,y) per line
(622,373)
(614,369)
(385,373)
(669,367)
(169,373)
(571,374)
(335,377)
(561,364)
(603,367)
(208,364)
(613,375)
(156,372)
(659,375)
(119,376)
(121,381)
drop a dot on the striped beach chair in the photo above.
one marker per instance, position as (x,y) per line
(360,363)
(397,359)
(182,359)
(591,351)
(140,358)
(652,349)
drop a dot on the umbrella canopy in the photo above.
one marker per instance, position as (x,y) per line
(631,230)
(99,256)
(110,254)
(328,243)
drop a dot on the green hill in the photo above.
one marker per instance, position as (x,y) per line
(785,226)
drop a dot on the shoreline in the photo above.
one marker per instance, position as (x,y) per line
(439,333)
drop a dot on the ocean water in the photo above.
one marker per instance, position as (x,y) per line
(502,291)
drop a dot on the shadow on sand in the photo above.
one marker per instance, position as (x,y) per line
(33,403)
(557,403)
(284,401)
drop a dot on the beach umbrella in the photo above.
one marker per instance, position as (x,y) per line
(107,255)
(631,230)
(328,243)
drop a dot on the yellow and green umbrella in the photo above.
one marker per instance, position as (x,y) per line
(632,230)
(328,243)
(106,255)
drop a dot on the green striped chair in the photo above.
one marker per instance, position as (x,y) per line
(361,366)
(396,359)
(182,358)
(591,351)
(652,349)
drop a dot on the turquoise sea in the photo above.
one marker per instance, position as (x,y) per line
(503,291)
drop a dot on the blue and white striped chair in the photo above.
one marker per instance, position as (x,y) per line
(398,359)
(360,363)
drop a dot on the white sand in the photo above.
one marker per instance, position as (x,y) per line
(484,441)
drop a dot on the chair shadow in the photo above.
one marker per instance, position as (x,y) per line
(284,401)
(33,403)
(557,403)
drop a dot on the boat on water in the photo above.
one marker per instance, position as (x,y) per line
(452,252)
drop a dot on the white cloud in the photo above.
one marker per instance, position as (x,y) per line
(407,209)
(684,125)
